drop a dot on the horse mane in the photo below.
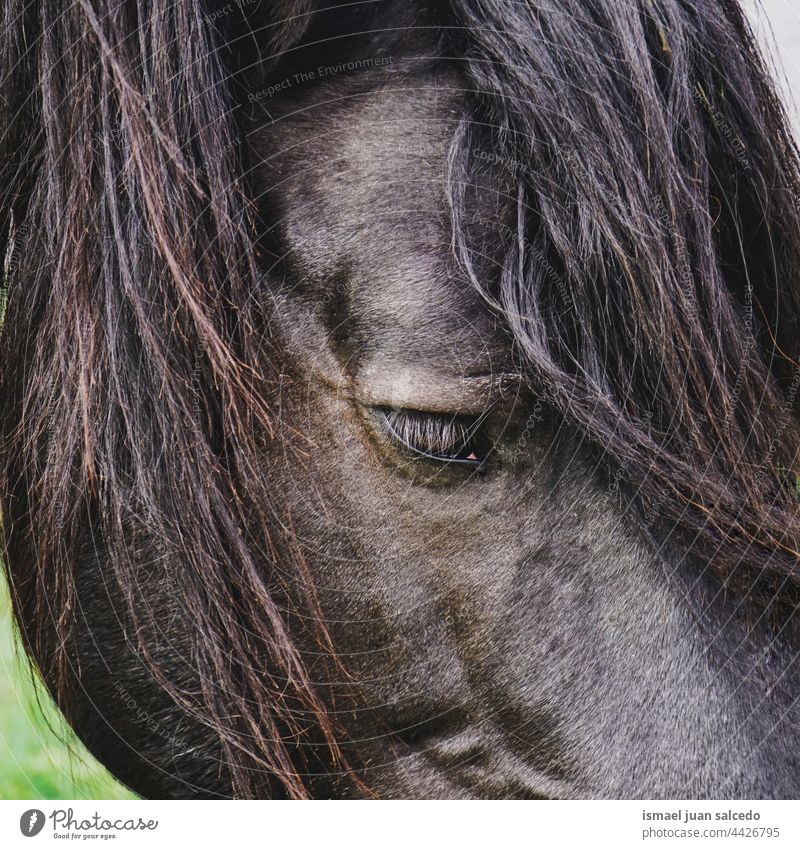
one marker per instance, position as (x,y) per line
(649,281)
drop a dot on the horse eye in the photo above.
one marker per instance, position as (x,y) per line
(435,436)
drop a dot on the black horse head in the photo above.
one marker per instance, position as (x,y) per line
(401,398)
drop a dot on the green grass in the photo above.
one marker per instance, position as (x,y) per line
(39,757)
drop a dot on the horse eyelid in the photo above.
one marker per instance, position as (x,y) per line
(411,428)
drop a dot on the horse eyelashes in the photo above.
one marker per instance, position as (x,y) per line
(436,436)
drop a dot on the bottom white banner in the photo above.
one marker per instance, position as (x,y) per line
(371,824)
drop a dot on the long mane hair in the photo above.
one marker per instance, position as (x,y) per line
(650,281)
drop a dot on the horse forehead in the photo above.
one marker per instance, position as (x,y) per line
(357,185)
(347,169)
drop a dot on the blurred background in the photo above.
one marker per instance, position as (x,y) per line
(777,23)
(39,758)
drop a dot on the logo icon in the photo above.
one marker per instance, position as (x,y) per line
(31,822)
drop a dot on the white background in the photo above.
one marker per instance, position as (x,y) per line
(410,825)
(778,25)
